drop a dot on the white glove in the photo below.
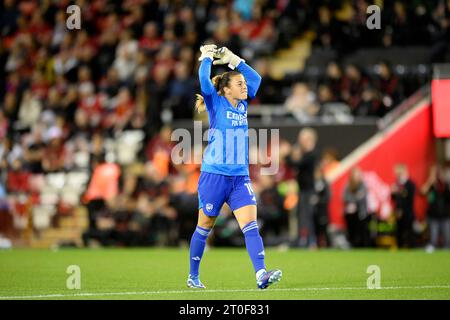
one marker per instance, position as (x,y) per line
(207,51)
(225,55)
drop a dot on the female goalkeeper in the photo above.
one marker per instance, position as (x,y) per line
(224,173)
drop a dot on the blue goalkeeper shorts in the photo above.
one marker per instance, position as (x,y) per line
(216,189)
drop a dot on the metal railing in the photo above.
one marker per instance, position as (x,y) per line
(336,114)
(403,107)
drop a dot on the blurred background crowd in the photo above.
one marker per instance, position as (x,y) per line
(86,115)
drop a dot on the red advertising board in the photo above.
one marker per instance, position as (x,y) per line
(440,97)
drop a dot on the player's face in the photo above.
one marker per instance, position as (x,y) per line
(238,87)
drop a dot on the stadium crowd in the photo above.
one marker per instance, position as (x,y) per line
(67,95)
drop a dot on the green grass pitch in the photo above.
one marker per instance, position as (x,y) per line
(160,274)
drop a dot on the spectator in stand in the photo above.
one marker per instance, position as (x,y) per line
(271,211)
(258,33)
(304,159)
(134,20)
(334,79)
(85,49)
(10,108)
(285,172)
(5,148)
(139,224)
(164,217)
(355,210)
(59,29)
(388,85)
(29,110)
(39,85)
(329,161)
(122,107)
(53,102)
(158,89)
(68,103)
(223,37)
(4,125)
(158,151)
(9,17)
(437,191)
(90,104)
(99,197)
(440,34)
(65,63)
(353,84)
(327,30)
(219,16)
(111,84)
(268,92)
(400,24)
(17,180)
(302,103)
(183,198)
(370,104)
(55,151)
(325,96)
(126,54)
(165,59)
(106,51)
(181,88)
(96,146)
(320,201)
(35,151)
(403,192)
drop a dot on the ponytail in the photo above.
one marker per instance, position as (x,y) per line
(200,105)
(219,82)
(216,80)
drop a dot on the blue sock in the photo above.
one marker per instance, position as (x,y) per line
(198,243)
(255,246)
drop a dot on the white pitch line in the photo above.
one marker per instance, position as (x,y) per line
(94,294)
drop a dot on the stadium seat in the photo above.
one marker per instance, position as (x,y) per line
(77,179)
(49,195)
(71,195)
(42,216)
(81,159)
(56,180)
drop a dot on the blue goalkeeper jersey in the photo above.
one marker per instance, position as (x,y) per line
(227,150)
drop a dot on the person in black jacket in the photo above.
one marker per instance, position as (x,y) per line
(437,192)
(320,200)
(403,192)
(304,159)
(273,216)
(356,214)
